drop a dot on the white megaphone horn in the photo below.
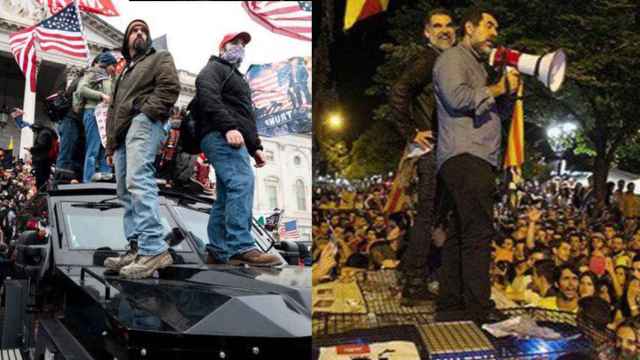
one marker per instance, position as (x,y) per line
(548,68)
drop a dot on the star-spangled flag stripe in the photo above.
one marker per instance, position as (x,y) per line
(102,7)
(290,230)
(22,46)
(283,10)
(292,19)
(265,90)
(61,32)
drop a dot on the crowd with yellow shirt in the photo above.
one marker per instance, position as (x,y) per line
(553,250)
(351,229)
(554,255)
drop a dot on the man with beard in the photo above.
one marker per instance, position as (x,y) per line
(143,97)
(619,253)
(415,116)
(566,299)
(469,131)
(227,123)
(627,339)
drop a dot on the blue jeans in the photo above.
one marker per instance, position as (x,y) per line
(69,132)
(229,227)
(94,151)
(136,185)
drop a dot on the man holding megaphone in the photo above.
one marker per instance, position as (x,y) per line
(468,147)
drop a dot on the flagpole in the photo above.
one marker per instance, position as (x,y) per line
(29,109)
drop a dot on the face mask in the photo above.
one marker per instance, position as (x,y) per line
(234,54)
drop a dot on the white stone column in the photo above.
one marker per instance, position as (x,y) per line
(29,108)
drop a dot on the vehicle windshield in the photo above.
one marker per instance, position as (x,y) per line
(89,229)
(196,223)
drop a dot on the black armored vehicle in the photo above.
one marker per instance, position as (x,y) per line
(59,304)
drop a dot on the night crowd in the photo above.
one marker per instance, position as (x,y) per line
(554,249)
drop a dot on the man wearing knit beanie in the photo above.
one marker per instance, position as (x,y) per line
(143,97)
(93,88)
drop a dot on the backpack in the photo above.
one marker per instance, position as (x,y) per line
(189,139)
(60,103)
(189,135)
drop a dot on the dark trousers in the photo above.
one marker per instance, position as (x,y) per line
(469,186)
(42,169)
(416,255)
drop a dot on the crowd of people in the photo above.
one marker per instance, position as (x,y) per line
(351,219)
(553,245)
(120,118)
(18,205)
(553,250)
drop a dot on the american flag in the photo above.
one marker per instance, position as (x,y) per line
(289,230)
(102,7)
(289,18)
(61,32)
(269,89)
(23,48)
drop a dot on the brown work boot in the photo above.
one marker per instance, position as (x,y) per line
(213,261)
(114,264)
(144,266)
(256,258)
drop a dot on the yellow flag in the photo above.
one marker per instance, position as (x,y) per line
(362,9)
(10,144)
(514,156)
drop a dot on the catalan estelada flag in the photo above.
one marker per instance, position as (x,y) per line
(514,156)
(398,195)
(362,9)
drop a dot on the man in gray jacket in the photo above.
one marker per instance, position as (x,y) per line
(468,147)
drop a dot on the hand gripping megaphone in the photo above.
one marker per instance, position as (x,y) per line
(548,68)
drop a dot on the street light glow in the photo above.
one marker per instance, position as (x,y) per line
(559,135)
(335,121)
(554,132)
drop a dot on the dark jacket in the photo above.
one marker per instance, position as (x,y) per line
(149,84)
(64,86)
(226,109)
(43,140)
(412,100)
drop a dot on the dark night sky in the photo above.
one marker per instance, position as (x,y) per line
(355,56)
